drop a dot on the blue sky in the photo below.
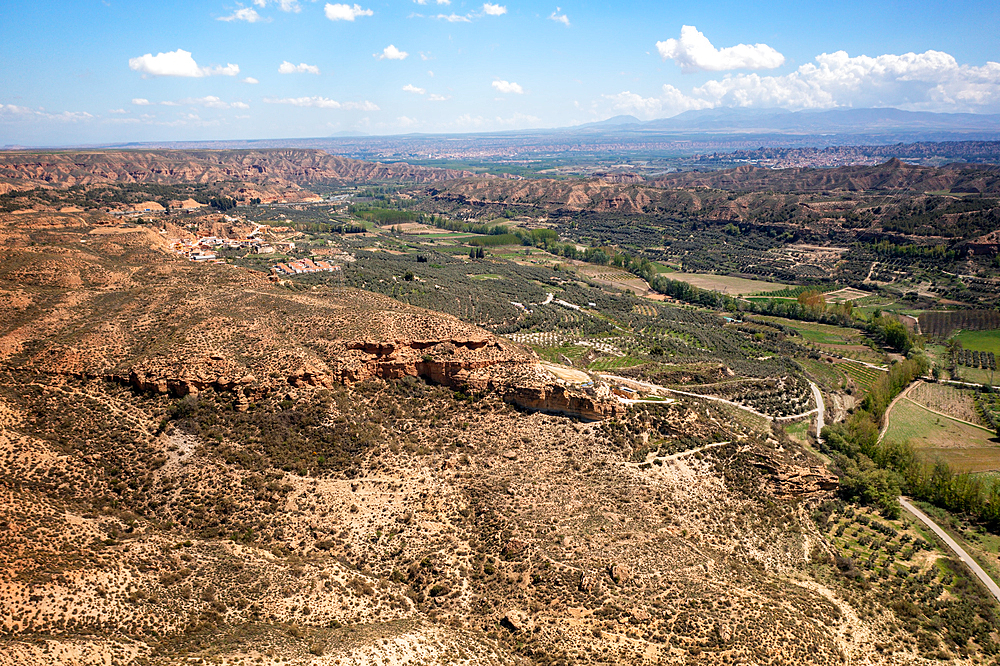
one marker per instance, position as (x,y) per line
(95,71)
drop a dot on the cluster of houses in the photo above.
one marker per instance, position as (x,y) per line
(304,266)
(206,248)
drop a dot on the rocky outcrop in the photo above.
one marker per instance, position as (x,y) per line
(798,482)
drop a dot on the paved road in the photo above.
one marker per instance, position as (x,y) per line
(962,555)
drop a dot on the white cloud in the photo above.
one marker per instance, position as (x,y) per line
(211,102)
(440,2)
(929,81)
(285,5)
(25,113)
(302,68)
(508,87)
(250,79)
(559,18)
(322,103)
(117,111)
(494,10)
(453,18)
(177,63)
(391,53)
(670,103)
(403,121)
(693,52)
(340,12)
(437,98)
(413,89)
(243,14)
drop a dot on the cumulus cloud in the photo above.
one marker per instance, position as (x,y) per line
(508,87)
(494,10)
(243,14)
(302,68)
(322,103)
(211,102)
(559,18)
(177,63)
(932,81)
(440,2)
(693,52)
(340,12)
(454,18)
(141,101)
(250,79)
(409,87)
(391,53)
(670,103)
(437,98)
(929,81)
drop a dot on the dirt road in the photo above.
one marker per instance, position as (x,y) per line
(820,409)
(958,550)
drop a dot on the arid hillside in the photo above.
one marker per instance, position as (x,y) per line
(276,167)
(201,465)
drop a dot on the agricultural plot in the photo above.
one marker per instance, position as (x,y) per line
(879,549)
(725,284)
(965,447)
(943,324)
(832,339)
(950,400)
(783,396)
(846,294)
(981,341)
(829,375)
(988,408)
(862,375)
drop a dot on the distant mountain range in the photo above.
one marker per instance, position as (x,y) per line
(691,133)
(914,125)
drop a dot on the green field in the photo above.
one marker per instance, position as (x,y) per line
(830,375)
(965,447)
(987,341)
(862,375)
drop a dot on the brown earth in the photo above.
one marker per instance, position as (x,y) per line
(275,168)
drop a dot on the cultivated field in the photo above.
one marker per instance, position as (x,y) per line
(987,341)
(965,447)
(725,284)
(950,400)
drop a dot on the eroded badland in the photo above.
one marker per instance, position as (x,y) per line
(204,462)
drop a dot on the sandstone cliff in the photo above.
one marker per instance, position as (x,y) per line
(118,307)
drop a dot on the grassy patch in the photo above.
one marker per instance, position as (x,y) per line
(987,341)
